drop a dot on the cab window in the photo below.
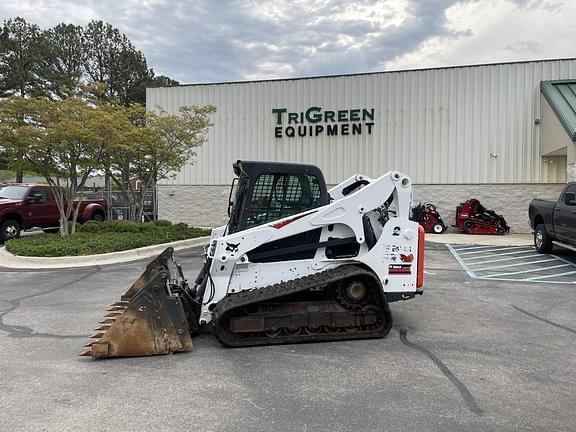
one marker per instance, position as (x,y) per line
(276,196)
(40,195)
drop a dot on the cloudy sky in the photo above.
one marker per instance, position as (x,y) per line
(227,40)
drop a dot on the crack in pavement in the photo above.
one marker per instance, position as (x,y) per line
(531,315)
(17,331)
(460,386)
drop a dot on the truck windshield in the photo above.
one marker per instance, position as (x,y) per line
(13,192)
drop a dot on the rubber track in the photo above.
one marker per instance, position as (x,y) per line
(291,287)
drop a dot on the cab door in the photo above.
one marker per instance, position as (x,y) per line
(565,216)
(41,209)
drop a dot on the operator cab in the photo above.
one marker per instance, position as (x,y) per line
(268,191)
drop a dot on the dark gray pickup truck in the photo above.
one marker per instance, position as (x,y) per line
(554,223)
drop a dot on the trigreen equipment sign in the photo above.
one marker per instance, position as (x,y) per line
(315,121)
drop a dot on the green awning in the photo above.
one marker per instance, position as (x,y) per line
(561,95)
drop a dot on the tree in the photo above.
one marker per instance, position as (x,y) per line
(112,59)
(158,145)
(58,61)
(62,140)
(20,50)
(21,47)
(137,94)
(64,59)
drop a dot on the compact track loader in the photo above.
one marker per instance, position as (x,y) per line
(295,263)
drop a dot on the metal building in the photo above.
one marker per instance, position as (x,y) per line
(502,133)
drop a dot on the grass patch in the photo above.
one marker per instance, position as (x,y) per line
(107,237)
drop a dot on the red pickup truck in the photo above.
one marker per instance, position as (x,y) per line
(25,206)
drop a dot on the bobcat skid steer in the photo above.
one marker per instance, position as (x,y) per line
(295,263)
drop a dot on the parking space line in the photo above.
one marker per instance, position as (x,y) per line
(472,248)
(461,262)
(491,250)
(549,276)
(514,265)
(564,260)
(503,254)
(525,271)
(523,264)
(505,259)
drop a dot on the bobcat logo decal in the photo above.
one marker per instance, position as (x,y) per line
(231,247)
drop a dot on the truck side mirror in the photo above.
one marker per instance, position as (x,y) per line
(570,199)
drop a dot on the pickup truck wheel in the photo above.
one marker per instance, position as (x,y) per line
(97,217)
(9,229)
(542,241)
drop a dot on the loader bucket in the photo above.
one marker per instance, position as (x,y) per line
(150,317)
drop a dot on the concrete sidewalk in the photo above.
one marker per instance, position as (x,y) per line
(482,240)
(8,260)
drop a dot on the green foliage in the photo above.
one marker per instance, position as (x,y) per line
(155,146)
(21,47)
(91,226)
(150,227)
(62,140)
(162,222)
(89,243)
(76,225)
(64,59)
(114,60)
(60,61)
(121,226)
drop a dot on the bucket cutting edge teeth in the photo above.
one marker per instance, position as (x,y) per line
(97,335)
(112,314)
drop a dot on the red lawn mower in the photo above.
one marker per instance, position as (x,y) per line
(473,218)
(427,216)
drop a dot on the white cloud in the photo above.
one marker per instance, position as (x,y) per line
(205,40)
(491,31)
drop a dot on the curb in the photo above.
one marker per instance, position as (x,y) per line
(8,260)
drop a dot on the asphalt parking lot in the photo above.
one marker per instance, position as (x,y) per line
(469,355)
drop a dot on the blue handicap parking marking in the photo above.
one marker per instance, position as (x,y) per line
(513,263)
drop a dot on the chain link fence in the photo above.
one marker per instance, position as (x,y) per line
(118,206)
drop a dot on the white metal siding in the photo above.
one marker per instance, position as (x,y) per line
(436,125)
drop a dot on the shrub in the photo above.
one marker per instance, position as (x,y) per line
(163,223)
(91,226)
(149,227)
(77,226)
(121,225)
(106,240)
